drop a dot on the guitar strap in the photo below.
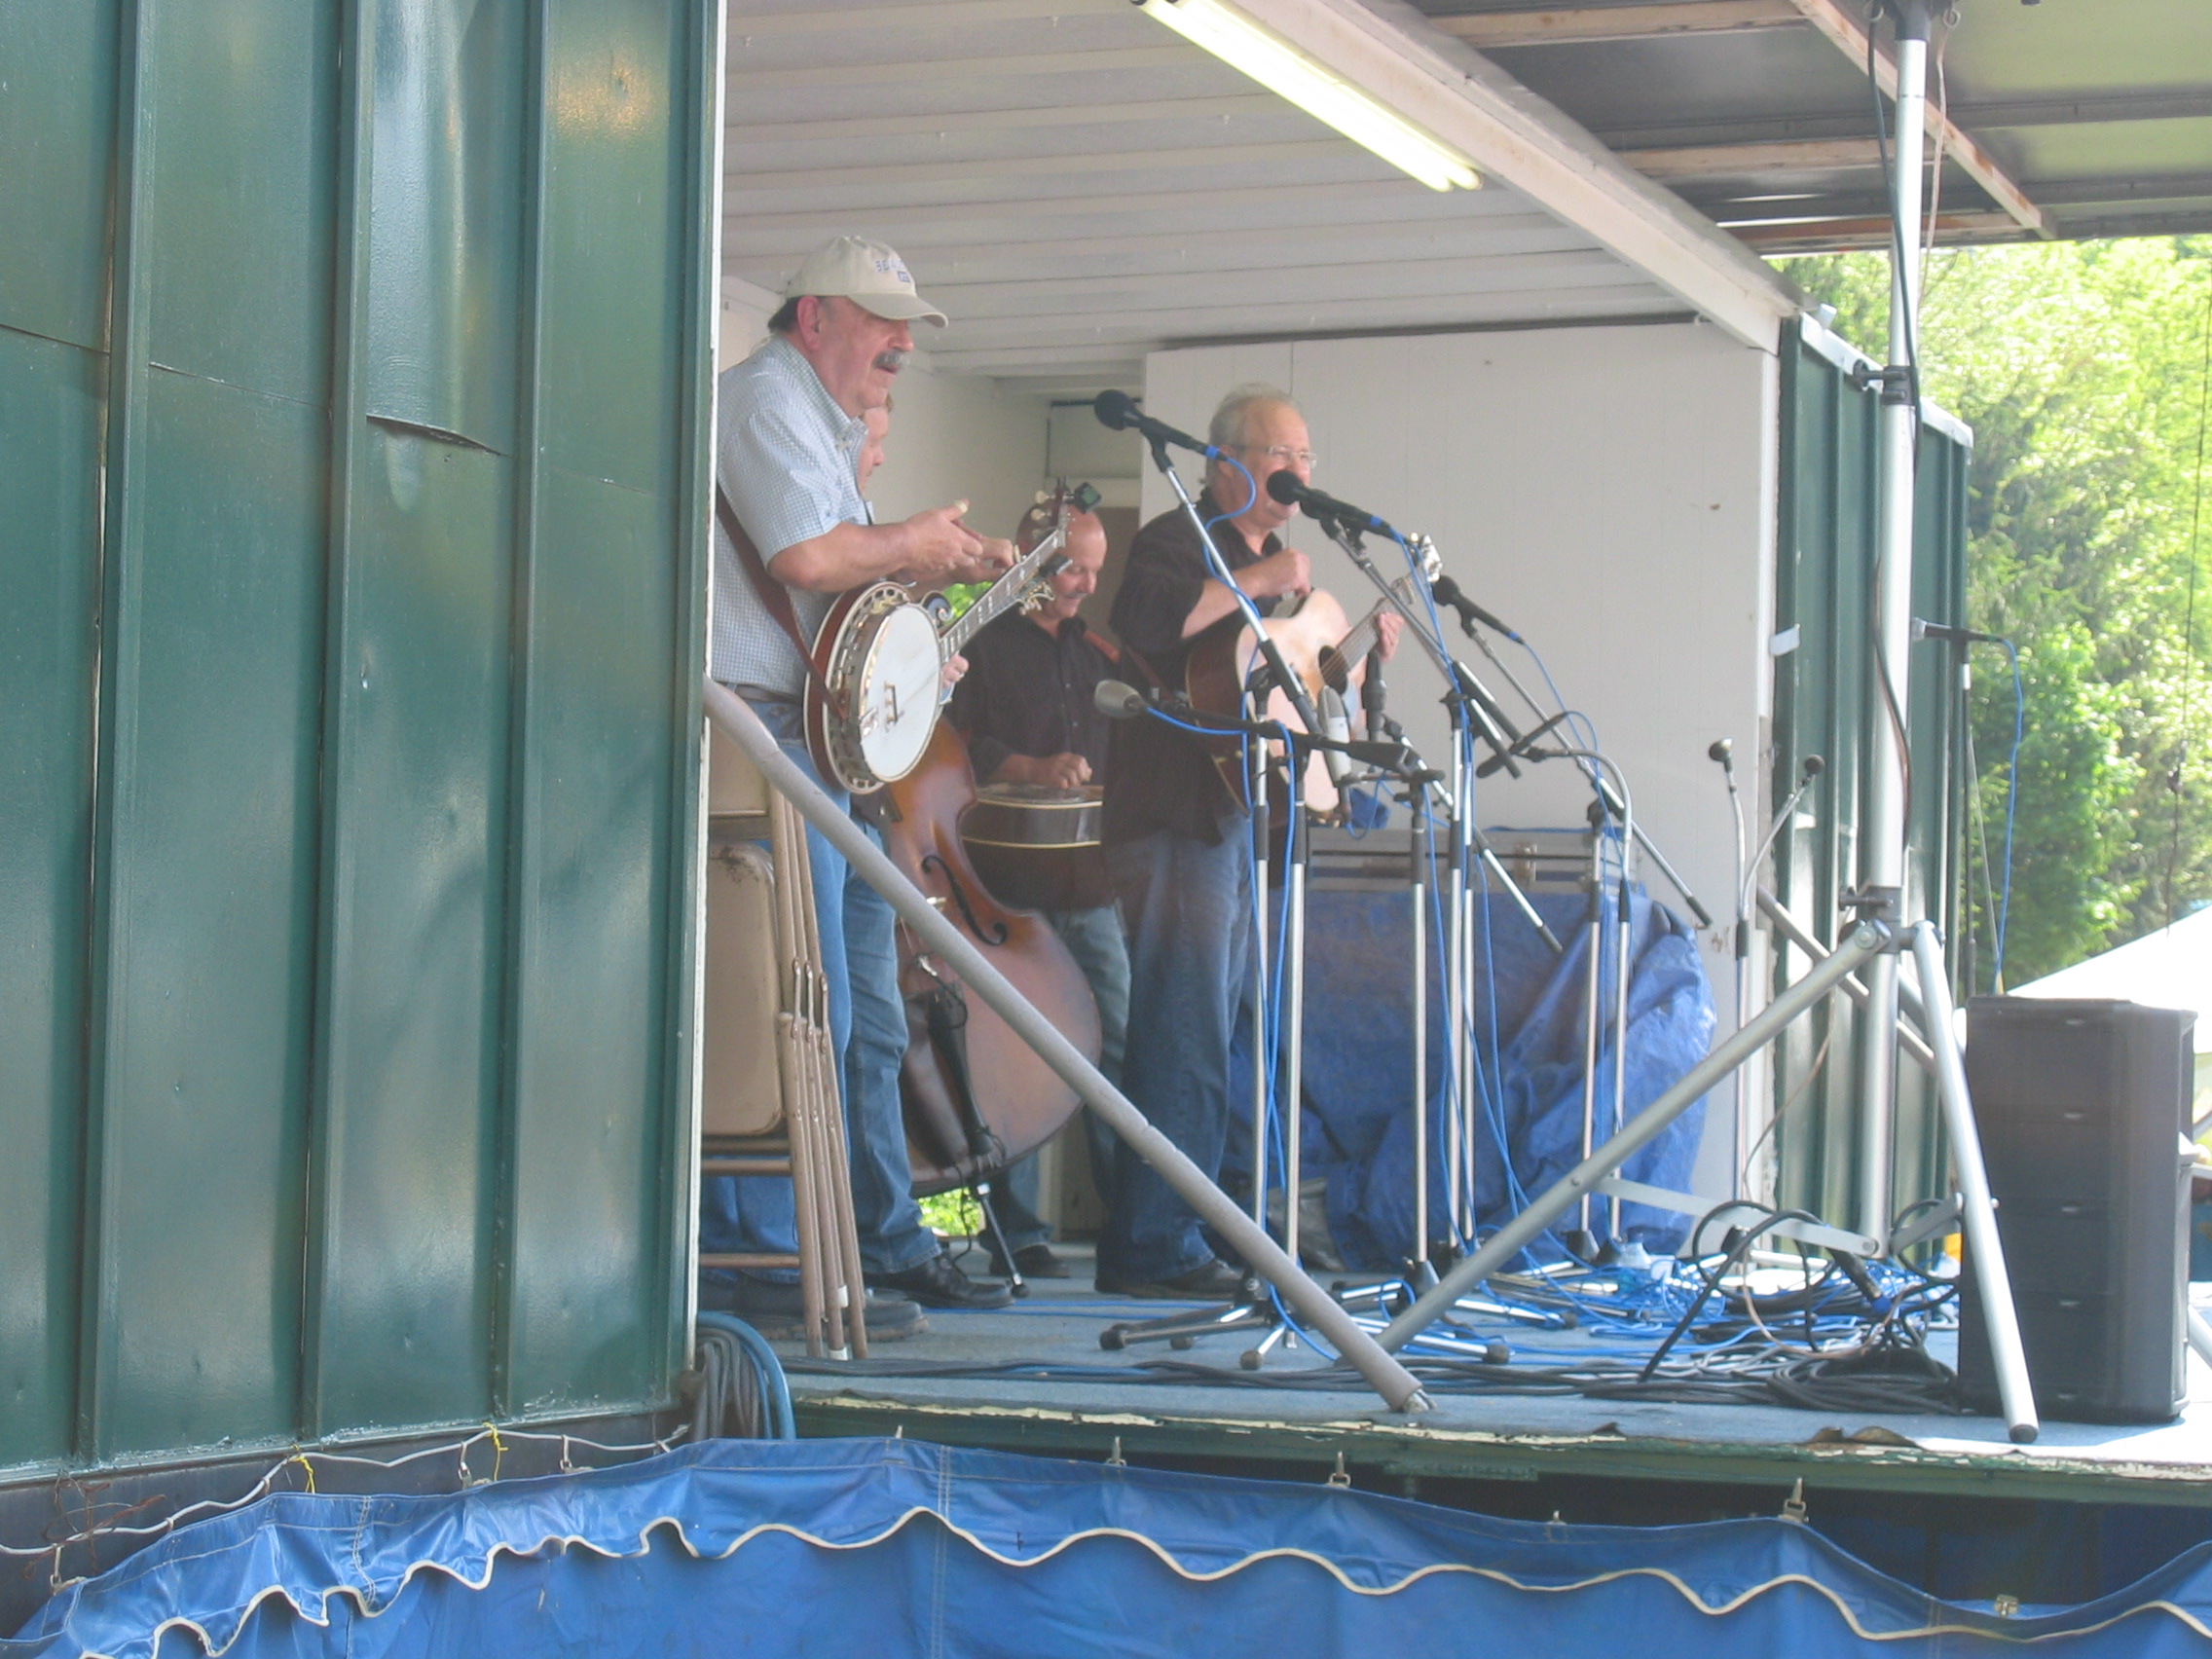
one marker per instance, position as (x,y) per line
(773,595)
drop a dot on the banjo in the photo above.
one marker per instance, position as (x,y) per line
(876,691)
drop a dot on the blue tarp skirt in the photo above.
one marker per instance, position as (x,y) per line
(886,1548)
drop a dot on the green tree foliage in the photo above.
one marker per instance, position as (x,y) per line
(2082,368)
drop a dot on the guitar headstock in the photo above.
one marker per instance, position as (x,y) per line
(1047,523)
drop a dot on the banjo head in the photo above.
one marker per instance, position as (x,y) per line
(897,674)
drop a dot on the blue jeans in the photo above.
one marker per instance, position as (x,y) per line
(1096,940)
(1188,908)
(867,1026)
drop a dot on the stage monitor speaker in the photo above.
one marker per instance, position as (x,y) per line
(2084,1111)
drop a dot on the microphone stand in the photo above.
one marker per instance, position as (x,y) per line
(1597,780)
(1255,794)
(1256,1308)
(1474,713)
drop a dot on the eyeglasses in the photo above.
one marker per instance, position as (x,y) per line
(1282,455)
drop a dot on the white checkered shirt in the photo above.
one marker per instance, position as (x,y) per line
(785,454)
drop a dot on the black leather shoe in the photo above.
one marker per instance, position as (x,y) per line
(938,1283)
(1036,1260)
(1216,1281)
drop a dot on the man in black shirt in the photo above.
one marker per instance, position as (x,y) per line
(1178,841)
(1027,710)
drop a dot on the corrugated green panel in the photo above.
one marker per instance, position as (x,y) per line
(56,151)
(336,1096)
(1829,701)
(445,215)
(217,631)
(50,426)
(617,244)
(591,992)
(240,212)
(591,996)
(418,789)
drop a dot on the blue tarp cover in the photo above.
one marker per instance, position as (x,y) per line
(1359,1073)
(883,1548)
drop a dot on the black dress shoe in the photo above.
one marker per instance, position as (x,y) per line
(1216,1281)
(1036,1260)
(938,1283)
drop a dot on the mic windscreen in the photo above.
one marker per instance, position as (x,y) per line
(1117,701)
(1813,766)
(1284,487)
(1114,409)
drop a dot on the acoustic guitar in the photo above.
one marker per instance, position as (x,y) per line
(1318,643)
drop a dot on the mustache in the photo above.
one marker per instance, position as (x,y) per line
(892,360)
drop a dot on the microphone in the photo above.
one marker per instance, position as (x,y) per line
(1956,636)
(1284,486)
(1722,750)
(1446,592)
(1119,411)
(1117,701)
(1335,724)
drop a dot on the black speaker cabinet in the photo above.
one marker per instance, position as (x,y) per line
(2084,1110)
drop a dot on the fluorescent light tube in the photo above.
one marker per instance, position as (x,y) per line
(1284,70)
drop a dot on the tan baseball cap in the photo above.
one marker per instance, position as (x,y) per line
(870,274)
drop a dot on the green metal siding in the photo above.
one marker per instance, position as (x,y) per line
(1829,701)
(354,401)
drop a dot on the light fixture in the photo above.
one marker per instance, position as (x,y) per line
(1279,66)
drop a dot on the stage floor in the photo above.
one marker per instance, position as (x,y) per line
(1482,1438)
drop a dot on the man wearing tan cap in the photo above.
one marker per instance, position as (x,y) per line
(791,425)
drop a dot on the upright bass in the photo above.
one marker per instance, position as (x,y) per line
(976,1097)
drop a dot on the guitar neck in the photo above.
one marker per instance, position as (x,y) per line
(1367,632)
(1001,595)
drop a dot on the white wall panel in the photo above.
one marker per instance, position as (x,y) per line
(1608,492)
(961,438)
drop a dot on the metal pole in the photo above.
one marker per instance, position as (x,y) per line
(1883,828)
(1563,1195)
(1457,1015)
(1980,1215)
(1386,1375)
(1592,988)
(1256,791)
(1293,1034)
(1423,851)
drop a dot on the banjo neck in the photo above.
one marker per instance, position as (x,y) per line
(1009,591)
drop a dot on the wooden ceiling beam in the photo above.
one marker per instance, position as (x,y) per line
(1821,235)
(1001,120)
(743,23)
(1849,36)
(992,167)
(795,77)
(1755,161)
(943,218)
(1259,248)
(1573,25)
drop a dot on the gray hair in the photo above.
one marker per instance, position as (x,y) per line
(1226,428)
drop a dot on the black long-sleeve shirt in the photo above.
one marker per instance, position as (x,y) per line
(1029,691)
(1157,776)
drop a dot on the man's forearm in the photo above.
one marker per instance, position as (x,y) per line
(1214,602)
(844,557)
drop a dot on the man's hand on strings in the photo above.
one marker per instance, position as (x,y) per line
(1066,771)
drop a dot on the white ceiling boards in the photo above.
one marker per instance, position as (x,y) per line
(1077,185)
